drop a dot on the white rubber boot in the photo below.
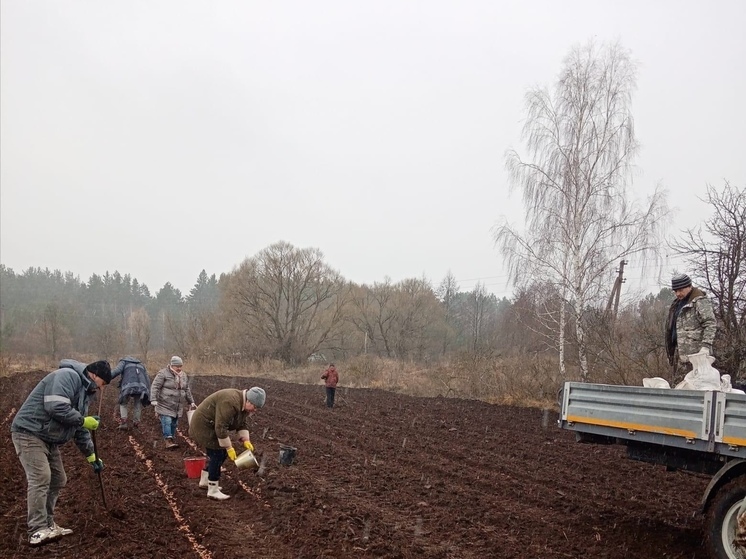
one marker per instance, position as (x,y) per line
(204,479)
(213,491)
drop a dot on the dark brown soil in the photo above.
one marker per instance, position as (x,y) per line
(381,475)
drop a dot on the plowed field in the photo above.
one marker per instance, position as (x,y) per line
(380,475)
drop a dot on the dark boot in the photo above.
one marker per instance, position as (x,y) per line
(170,443)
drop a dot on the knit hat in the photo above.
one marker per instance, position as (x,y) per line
(680,281)
(176,361)
(256,396)
(101,369)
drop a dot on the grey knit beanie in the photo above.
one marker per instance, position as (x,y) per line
(680,281)
(256,396)
(176,361)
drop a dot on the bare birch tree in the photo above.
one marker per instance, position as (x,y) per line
(580,221)
(446,293)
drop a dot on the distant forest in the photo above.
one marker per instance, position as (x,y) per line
(285,303)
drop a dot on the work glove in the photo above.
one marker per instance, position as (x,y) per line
(232,453)
(91,422)
(193,406)
(97,464)
(248,446)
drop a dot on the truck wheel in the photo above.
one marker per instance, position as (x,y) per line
(722,517)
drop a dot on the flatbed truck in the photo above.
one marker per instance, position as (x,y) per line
(698,431)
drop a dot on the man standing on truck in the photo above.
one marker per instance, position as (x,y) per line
(690,327)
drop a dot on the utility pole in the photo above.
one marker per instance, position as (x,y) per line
(616,290)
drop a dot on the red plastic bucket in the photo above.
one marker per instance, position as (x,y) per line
(194,466)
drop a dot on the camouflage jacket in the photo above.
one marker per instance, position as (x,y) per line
(695,326)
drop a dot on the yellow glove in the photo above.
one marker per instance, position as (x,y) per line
(248,446)
(98,465)
(91,422)
(232,453)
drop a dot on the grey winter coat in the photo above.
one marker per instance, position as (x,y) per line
(168,391)
(55,409)
(134,381)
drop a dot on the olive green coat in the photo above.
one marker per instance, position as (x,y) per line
(219,413)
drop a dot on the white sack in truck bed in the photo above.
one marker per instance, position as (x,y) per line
(703,376)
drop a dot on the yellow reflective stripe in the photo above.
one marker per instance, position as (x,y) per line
(634,426)
(736,441)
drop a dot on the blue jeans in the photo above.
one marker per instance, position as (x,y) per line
(45,476)
(215,459)
(168,426)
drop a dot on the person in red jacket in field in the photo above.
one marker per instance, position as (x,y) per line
(331,378)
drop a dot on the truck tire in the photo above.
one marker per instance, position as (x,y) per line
(721,520)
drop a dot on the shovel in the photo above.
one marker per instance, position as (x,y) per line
(100,480)
(95,451)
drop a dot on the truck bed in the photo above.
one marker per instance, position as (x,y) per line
(711,422)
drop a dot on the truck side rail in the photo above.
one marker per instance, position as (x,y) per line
(706,421)
(730,422)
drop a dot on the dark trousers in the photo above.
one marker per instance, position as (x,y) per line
(679,370)
(330,390)
(215,459)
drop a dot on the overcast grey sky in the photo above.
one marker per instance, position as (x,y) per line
(160,138)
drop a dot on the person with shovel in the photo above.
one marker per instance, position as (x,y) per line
(55,412)
(134,385)
(226,410)
(171,386)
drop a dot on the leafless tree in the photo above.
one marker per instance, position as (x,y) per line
(716,253)
(417,316)
(477,306)
(287,298)
(139,324)
(446,293)
(108,336)
(53,329)
(375,315)
(579,218)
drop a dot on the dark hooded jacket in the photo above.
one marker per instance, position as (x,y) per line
(134,381)
(55,409)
